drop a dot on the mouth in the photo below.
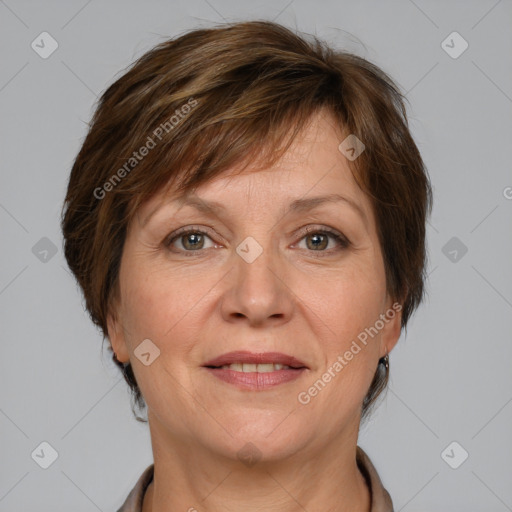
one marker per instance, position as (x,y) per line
(247,370)
(245,361)
(251,367)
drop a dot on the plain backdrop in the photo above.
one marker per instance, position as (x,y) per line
(451,376)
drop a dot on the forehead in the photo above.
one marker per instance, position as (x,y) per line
(313,166)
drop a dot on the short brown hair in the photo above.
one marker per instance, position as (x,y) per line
(250,87)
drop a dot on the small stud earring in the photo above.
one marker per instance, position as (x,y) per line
(385,361)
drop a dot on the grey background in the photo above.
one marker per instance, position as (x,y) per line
(451,377)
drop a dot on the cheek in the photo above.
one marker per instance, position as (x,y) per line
(161,305)
(346,303)
(166,308)
(345,310)
(345,307)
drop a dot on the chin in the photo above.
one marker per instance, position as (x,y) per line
(263,435)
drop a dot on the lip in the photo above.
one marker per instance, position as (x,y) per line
(255,381)
(244,356)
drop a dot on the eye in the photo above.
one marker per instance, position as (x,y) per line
(318,239)
(190,239)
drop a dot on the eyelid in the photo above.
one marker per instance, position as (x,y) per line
(185,230)
(323,229)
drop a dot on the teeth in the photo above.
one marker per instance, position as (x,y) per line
(259,368)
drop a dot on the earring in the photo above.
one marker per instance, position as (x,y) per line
(385,361)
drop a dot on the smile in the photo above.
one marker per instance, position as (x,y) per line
(255,377)
(259,368)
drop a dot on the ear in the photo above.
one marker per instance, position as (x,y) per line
(116,337)
(392,326)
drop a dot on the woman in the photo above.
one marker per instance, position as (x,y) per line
(246,219)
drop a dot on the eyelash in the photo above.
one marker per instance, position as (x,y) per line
(342,241)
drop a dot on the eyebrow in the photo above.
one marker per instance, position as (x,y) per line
(296,206)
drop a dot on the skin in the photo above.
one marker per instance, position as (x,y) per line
(291,299)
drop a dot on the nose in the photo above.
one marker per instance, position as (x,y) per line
(258,292)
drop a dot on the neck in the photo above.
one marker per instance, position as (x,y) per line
(192,479)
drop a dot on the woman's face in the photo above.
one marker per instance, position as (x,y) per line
(249,277)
